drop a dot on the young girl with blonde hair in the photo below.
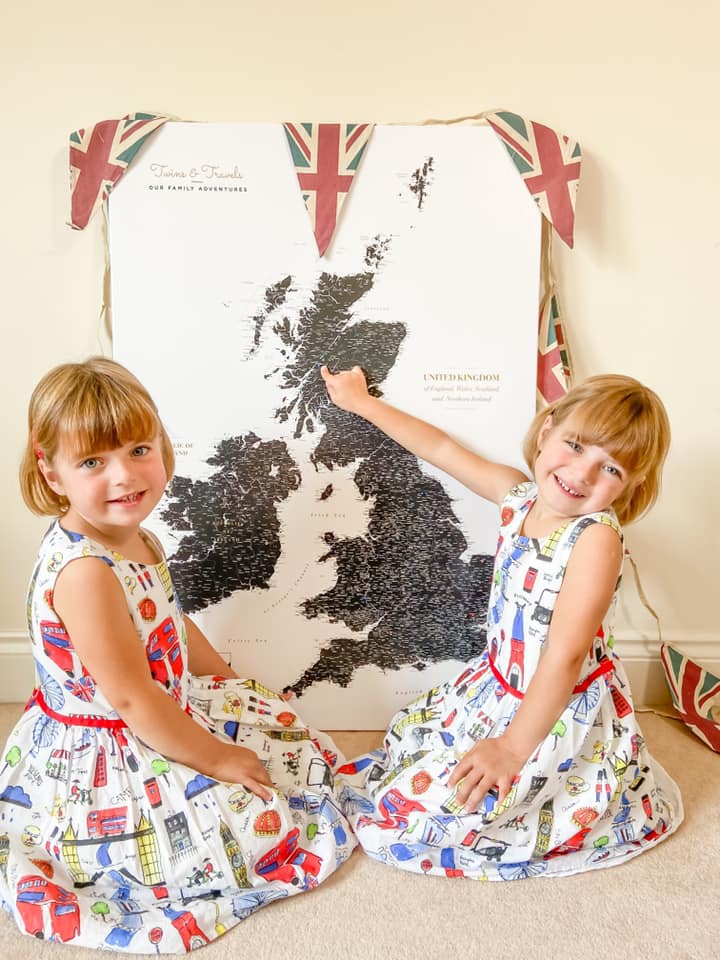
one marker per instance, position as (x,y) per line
(530,762)
(147,800)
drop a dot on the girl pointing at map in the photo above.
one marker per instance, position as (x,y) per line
(530,762)
(150,799)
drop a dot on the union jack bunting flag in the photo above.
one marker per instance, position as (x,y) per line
(548,162)
(326,157)
(99,156)
(695,692)
(553,366)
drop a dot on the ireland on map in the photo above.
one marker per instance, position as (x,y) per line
(315,553)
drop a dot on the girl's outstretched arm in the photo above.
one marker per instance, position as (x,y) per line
(490,480)
(90,602)
(203,658)
(583,601)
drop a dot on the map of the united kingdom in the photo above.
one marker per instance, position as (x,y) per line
(405,577)
(316,553)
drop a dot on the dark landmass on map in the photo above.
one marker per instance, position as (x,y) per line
(404,578)
(421,180)
(376,251)
(233,540)
(325,332)
(275,297)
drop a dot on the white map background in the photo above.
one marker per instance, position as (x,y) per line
(314,552)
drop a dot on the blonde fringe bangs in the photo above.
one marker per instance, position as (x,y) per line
(101,420)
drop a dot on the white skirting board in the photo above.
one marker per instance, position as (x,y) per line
(644,667)
(641,660)
(17,674)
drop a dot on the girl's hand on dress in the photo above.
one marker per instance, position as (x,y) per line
(488,764)
(243,766)
(347,389)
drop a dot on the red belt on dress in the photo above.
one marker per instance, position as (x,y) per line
(604,667)
(73,720)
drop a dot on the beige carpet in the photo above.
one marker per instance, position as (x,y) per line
(663,904)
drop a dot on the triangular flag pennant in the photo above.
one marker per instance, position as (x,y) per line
(548,162)
(99,156)
(326,157)
(553,366)
(695,693)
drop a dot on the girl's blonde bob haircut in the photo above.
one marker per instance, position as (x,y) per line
(628,420)
(81,409)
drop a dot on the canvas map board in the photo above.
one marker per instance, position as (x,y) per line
(313,551)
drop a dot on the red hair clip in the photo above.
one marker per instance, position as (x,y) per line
(38,452)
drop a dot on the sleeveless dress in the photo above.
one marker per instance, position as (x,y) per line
(589,796)
(104,842)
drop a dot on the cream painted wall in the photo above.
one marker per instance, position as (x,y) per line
(636,86)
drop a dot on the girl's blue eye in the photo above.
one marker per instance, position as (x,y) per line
(90,463)
(574,445)
(613,470)
(141,450)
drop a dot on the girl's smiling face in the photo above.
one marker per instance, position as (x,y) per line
(573,477)
(110,491)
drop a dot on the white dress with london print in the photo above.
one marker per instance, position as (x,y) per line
(104,842)
(589,796)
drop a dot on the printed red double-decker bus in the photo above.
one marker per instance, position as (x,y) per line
(107,823)
(47,909)
(164,653)
(57,645)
